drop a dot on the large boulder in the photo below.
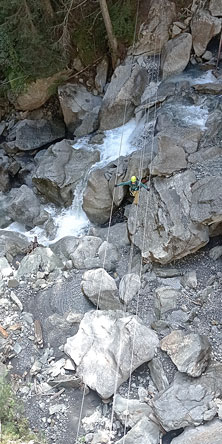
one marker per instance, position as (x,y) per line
(80,108)
(190,399)
(32,134)
(25,208)
(176,55)
(130,411)
(60,169)
(204,434)
(126,86)
(161,226)
(154,33)
(92,252)
(170,157)
(120,341)
(204,27)
(12,244)
(215,8)
(129,287)
(101,289)
(37,93)
(144,432)
(190,353)
(97,198)
(206,204)
(41,259)
(65,247)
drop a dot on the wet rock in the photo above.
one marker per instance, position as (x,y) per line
(102,332)
(144,432)
(101,289)
(170,157)
(24,207)
(215,8)
(60,169)
(40,259)
(176,54)
(209,88)
(130,411)
(80,108)
(126,84)
(204,27)
(165,299)
(129,287)
(216,252)
(205,434)
(170,231)
(155,31)
(32,134)
(158,375)
(190,353)
(12,243)
(189,399)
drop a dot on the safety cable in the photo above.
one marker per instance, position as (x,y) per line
(111,211)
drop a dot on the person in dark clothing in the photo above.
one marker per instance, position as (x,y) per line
(134,186)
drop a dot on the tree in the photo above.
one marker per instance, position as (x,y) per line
(109,29)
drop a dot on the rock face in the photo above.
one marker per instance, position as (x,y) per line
(204,27)
(129,287)
(144,432)
(60,169)
(189,399)
(32,134)
(12,243)
(80,109)
(155,31)
(109,335)
(176,55)
(101,289)
(97,199)
(169,231)
(206,206)
(24,207)
(190,353)
(126,84)
(215,8)
(170,157)
(204,434)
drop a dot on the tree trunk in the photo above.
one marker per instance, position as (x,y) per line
(29,17)
(109,29)
(47,8)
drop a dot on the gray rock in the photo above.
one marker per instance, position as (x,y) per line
(165,299)
(204,27)
(158,375)
(40,259)
(189,279)
(12,244)
(190,353)
(169,231)
(215,8)
(209,88)
(108,255)
(101,289)
(5,268)
(57,408)
(144,432)
(25,208)
(126,84)
(65,247)
(32,134)
(121,341)
(189,399)
(129,287)
(206,204)
(85,254)
(176,55)
(170,157)
(155,31)
(117,234)
(216,252)
(204,434)
(130,411)
(80,108)
(101,74)
(60,169)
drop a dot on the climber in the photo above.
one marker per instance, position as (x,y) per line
(134,187)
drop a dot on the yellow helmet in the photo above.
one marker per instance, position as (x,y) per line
(133,179)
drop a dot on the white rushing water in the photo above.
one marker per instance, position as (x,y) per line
(73,221)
